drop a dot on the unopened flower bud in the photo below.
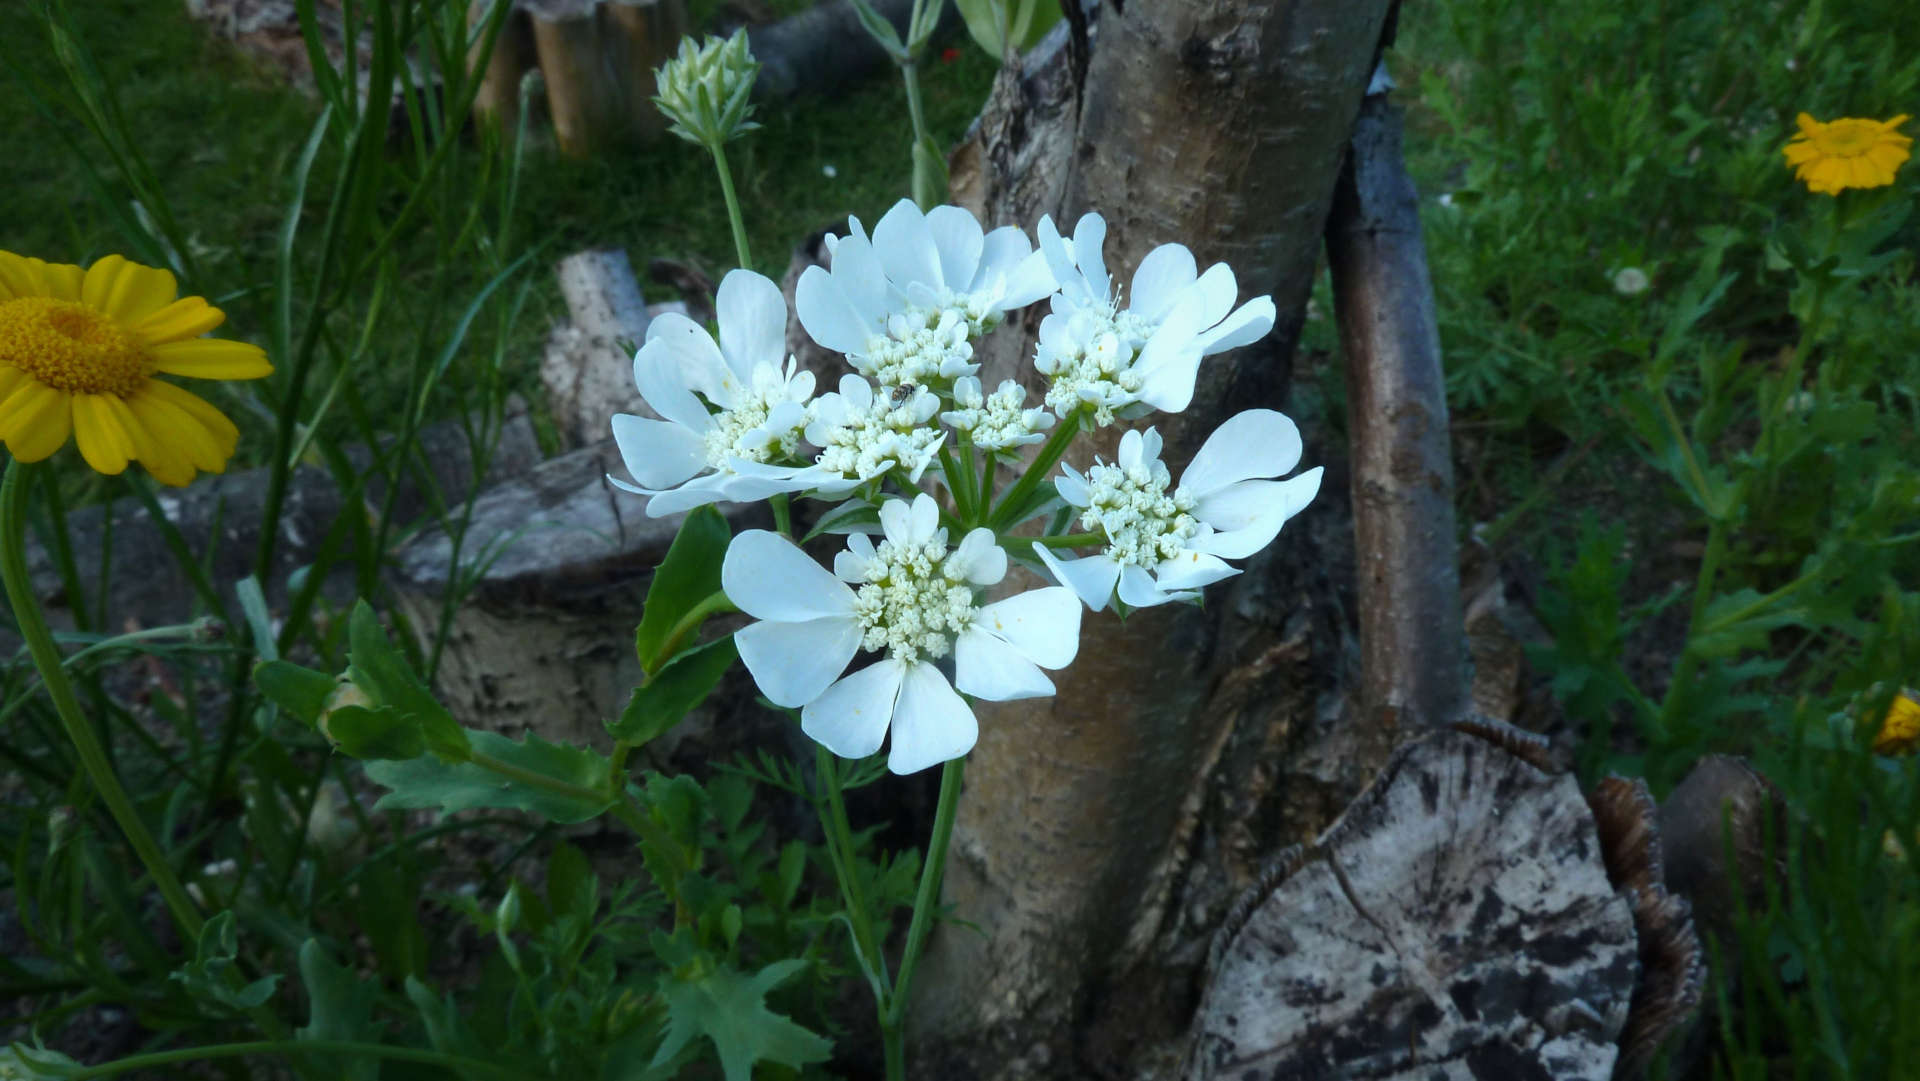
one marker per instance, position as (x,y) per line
(344,695)
(704,89)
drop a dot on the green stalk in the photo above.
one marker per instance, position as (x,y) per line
(740,250)
(1050,453)
(839,835)
(925,194)
(93,757)
(928,897)
(782,520)
(455,1063)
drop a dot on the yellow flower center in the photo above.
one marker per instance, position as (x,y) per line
(1846,138)
(70,346)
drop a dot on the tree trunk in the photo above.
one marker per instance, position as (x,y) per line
(1104,831)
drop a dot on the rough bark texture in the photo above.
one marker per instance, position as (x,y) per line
(1104,831)
(1457,922)
(1402,487)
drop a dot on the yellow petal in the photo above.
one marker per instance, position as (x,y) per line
(35,421)
(103,443)
(10,380)
(20,276)
(188,317)
(62,280)
(1808,125)
(210,358)
(216,424)
(1887,157)
(1896,121)
(154,444)
(133,291)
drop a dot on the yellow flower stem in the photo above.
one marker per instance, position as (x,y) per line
(93,757)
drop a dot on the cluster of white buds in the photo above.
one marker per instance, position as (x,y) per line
(704,89)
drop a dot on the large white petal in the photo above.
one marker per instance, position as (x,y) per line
(1256,443)
(896,521)
(1059,256)
(1215,292)
(905,246)
(1089,236)
(1191,569)
(827,315)
(1159,279)
(850,566)
(1072,486)
(857,269)
(658,453)
(1043,624)
(667,369)
(1249,323)
(1248,515)
(1130,453)
(1091,578)
(1137,589)
(794,662)
(926,518)
(958,239)
(765,576)
(987,667)
(931,723)
(1031,279)
(697,492)
(1168,385)
(978,559)
(753,323)
(850,718)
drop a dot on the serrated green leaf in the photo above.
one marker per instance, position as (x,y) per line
(688,574)
(382,732)
(680,804)
(730,1008)
(446,1029)
(341,1008)
(426,782)
(572,887)
(37,1064)
(301,692)
(663,701)
(205,977)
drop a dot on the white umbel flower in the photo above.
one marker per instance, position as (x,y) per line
(907,305)
(746,450)
(998,421)
(1165,545)
(862,434)
(1121,362)
(917,601)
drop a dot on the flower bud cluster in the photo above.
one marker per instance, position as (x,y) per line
(1144,524)
(921,346)
(997,422)
(915,600)
(704,90)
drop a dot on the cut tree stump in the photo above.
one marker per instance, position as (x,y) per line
(1456,922)
(598,59)
(587,368)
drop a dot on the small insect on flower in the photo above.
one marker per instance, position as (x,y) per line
(1847,153)
(901,395)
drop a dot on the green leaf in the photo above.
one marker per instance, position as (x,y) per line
(663,701)
(446,1029)
(341,1009)
(1742,620)
(302,692)
(849,517)
(205,976)
(464,786)
(730,1008)
(689,574)
(572,887)
(378,733)
(37,1064)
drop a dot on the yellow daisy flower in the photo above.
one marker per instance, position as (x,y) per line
(1900,728)
(79,349)
(1846,153)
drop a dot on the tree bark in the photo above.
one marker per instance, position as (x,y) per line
(1105,830)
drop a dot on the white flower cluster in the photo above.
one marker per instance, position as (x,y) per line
(737,421)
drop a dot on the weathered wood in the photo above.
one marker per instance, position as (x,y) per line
(1673,966)
(1456,922)
(496,100)
(1413,667)
(587,368)
(1104,830)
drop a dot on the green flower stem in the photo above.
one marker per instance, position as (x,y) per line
(712,604)
(782,516)
(840,846)
(630,813)
(924,194)
(956,484)
(456,1063)
(46,658)
(927,900)
(740,250)
(1050,453)
(93,757)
